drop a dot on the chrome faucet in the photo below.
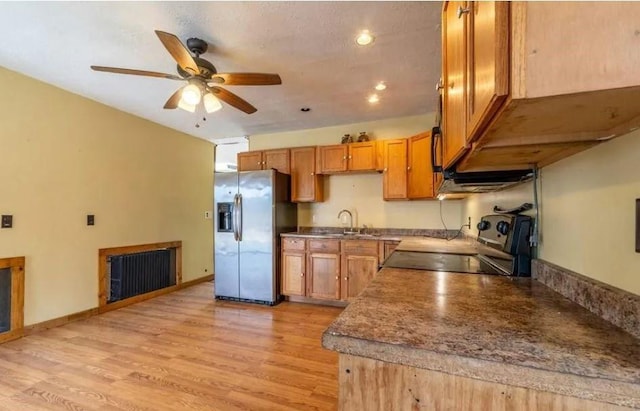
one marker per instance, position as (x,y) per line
(351,231)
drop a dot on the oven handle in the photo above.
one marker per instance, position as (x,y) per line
(493,265)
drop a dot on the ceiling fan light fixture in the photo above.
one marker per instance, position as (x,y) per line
(191,108)
(364,38)
(211,103)
(191,94)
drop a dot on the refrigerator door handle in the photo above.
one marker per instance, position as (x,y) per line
(239,219)
(235,217)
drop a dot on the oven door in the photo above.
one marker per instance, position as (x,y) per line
(455,263)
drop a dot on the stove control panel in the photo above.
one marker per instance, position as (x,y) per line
(509,233)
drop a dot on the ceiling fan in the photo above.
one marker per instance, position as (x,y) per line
(203,79)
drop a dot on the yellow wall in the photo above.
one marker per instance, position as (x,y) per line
(362,193)
(587,211)
(63,156)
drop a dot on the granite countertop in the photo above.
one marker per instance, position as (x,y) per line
(513,331)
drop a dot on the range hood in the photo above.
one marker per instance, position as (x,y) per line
(473,182)
(482,182)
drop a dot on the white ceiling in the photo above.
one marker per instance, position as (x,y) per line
(310,44)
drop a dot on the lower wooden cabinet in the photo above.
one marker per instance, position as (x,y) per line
(358,266)
(324,276)
(328,269)
(293,273)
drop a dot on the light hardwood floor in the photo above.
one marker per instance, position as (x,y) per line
(181,351)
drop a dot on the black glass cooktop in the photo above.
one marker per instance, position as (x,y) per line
(457,263)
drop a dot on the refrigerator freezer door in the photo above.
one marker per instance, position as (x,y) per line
(257,248)
(225,246)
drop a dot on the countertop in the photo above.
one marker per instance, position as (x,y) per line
(513,331)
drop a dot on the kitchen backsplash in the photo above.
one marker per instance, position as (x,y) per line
(435,233)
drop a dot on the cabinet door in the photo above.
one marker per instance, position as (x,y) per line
(362,156)
(250,160)
(278,159)
(487,62)
(306,185)
(357,271)
(293,273)
(333,159)
(454,78)
(324,276)
(394,174)
(419,172)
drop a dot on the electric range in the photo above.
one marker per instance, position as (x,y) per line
(503,249)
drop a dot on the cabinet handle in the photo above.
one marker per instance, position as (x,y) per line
(462,11)
(344,157)
(385,170)
(313,174)
(409,168)
(350,157)
(439,85)
(336,277)
(301,274)
(346,278)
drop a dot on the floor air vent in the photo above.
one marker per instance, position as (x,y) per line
(140,273)
(5,299)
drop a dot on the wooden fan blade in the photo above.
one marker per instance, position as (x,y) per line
(233,100)
(135,72)
(178,51)
(174,99)
(246,79)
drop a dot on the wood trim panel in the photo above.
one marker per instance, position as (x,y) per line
(81,315)
(401,387)
(17,267)
(105,253)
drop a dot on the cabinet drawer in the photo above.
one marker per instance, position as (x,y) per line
(293,244)
(327,246)
(360,247)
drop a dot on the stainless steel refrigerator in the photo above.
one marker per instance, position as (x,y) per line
(252,208)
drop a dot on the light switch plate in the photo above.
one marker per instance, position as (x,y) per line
(91,219)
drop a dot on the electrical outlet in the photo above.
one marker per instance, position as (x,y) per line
(208,215)
(7,221)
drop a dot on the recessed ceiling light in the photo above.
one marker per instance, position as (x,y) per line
(373,98)
(305,109)
(381,86)
(364,38)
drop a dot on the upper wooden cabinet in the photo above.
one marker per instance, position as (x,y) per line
(347,157)
(394,172)
(420,178)
(306,183)
(453,82)
(278,159)
(250,161)
(407,172)
(475,70)
(529,83)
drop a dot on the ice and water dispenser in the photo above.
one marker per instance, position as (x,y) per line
(225,217)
